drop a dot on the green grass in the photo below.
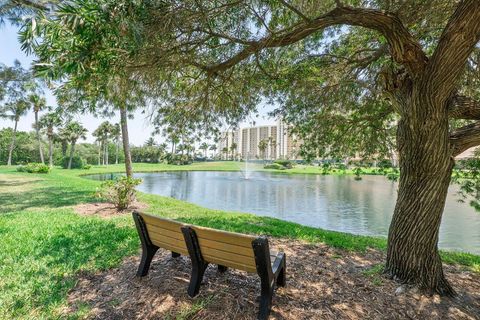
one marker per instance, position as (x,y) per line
(44,244)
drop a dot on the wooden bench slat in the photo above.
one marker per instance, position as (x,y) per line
(244,251)
(227,256)
(170,247)
(237,239)
(165,239)
(230,264)
(169,233)
(162,222)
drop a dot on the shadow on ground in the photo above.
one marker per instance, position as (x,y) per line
(322,283)
(42,197)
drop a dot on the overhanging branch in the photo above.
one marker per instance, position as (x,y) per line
(461,107)
(465,138)
(404,48)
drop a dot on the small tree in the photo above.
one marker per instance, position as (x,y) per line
(13,111)
(74,131)
(38,103)
(49,122)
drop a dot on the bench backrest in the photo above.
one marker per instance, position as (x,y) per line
(165,233)
(228,249)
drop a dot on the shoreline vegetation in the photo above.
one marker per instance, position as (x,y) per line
(46,245)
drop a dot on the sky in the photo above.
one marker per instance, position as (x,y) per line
(139,127)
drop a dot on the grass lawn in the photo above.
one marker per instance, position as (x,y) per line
(45,244)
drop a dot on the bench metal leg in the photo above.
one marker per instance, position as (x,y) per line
(175,255)
(264,270)
(198,264)
(148,249)
(281,272)
(147,256)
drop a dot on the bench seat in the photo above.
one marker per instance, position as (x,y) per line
(207,246)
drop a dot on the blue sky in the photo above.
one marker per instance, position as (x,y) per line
(139,127)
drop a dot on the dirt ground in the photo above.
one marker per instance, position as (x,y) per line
(105,209)
(322,283)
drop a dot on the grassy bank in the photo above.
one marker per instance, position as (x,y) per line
(45,244)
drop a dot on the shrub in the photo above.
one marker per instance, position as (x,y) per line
(34,168)
(178,159)
(287,164)
(275,166)
(120,192)
(77,162)
(87,167)
(358,172)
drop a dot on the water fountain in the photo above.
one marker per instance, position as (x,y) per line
(246,170)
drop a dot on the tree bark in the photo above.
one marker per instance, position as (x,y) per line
(37,131)
(125,140)
(72,151)
(12,144)
(426,167)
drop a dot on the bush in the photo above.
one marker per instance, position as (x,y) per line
(120,192)
(87,167)
(34,168)
(275,166)
(287,164)
(178,159)
(77,162)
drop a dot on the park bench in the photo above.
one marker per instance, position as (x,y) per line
(209,246)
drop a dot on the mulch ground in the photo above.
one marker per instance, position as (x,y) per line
(322,283)
(105,209)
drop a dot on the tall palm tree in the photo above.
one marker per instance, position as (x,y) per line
(14,111)
(213,148)
(233,148)
(74,131)
(116,135)
(262,146)
(150,142)
(204,147)
(38,103)
(49,122)
(103,134)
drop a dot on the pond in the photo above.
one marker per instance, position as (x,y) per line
(330,202)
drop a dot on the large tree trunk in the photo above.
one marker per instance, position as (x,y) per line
(125,140)
(37,131)
(426,167)
(72,151)
(12,144)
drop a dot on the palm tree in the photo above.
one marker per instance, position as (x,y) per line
(75,131)
(103,133)
(271,142)
(233,148)
(150,142)
(204,147)
(14,111)
(38,103)
(49,122)
(262,146)
(225,150)
(213,148)
(116,135)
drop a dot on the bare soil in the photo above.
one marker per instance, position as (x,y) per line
(322,283)
(105,209)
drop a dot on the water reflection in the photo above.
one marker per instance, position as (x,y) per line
(330,202)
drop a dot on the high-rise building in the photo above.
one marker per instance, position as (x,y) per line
(278,142)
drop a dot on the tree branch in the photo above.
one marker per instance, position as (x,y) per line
(404,48)
(465,138)
(461,107)
(456,44)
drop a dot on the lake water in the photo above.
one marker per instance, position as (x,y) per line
(330,202)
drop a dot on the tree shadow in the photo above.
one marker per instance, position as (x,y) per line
(80,245)
(45,197)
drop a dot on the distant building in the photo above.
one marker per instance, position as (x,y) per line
(279,143)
